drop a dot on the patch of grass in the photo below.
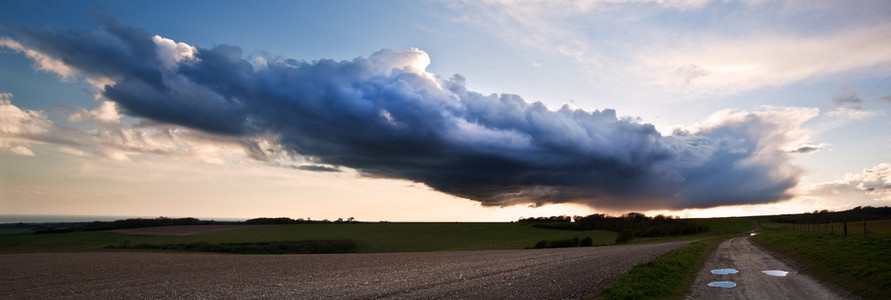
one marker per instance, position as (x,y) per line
(858,265)
(58,241)
(668,276)
(278,247)
(573,242)
(877,228)
(8,231)
(874,228)
(370,237)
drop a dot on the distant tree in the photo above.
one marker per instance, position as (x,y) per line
(624,237)
(541,244)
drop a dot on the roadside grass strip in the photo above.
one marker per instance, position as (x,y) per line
(668,276)
(860,266)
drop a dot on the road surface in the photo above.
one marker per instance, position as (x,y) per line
(751,283)
(515,274)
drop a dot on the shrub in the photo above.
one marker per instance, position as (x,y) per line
(624,237)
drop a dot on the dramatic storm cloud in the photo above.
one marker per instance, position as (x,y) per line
(385,116)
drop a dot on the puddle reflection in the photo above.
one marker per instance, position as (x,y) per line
(778,273)
(722,284)
(724,271)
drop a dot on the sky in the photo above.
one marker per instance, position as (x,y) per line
(443,110)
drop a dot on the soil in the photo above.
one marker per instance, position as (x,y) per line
(515,274)
(750,260)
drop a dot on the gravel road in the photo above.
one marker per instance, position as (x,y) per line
(742,255)
(516,274)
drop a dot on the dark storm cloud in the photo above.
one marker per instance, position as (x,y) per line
(385,117)
(316,168)
(849,98)
(805,149)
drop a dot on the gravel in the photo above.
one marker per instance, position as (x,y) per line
(516,274)
(750,260)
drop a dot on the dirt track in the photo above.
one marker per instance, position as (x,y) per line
(515,274)
(751,283)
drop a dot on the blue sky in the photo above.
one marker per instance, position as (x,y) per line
(330,109)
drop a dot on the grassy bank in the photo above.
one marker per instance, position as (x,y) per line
(858,265)
(666,277)
(370,237)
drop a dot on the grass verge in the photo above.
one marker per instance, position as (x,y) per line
(858,265)
(669,276)
(278,247)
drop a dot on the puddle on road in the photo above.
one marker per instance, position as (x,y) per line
(777,273)
(722,284)
(753,234)
(724,271)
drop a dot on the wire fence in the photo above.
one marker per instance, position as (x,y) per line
(859,228)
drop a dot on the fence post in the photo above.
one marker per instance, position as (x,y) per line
(864,227)
(845,227)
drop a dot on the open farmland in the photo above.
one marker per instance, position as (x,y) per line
(371,237)
(515,274)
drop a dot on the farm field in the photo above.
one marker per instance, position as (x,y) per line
(370,237)
(565,273)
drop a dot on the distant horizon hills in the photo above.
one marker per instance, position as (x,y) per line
(11,219)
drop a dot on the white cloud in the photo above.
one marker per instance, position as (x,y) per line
(711,59)
(19,149)
(412,60)
(106,113)
(72,151)
(852,113)
(20,128)
(730,65)
(172,53)
(872,187)
(18,122)
(112,139)
(42,61)
(786,132)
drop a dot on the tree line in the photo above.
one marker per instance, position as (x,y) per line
(165,221)
(632,224)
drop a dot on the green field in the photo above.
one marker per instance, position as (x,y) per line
(874,228)
(371,237)
(859,265)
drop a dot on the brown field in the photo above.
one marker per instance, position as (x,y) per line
(504,274)
(181,230)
